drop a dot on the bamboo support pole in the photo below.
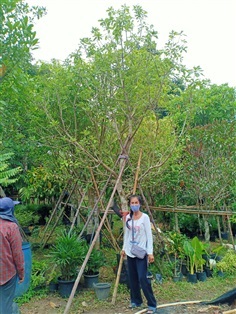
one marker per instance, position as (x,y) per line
(68,305)
(54,226)
(54,210)
(107,225)
(113,301)
(98,200)
(77,212)
(192,210)
(113,241)
(151,216)
(137,172)
(109,240)
(160,237)
(60,214)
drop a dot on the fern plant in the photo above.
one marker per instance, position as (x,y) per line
(7,175)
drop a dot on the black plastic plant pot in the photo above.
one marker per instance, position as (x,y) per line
(177,278)
(208,271)
(213,238)
(53,286)
(224,235)
(90,280)
(201,276)
(65,287)
(184,270)
(192,278)
(220,273)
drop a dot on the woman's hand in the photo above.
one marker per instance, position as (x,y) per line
(150,258)
(122,253)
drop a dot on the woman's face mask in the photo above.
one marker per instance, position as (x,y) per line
(135,208)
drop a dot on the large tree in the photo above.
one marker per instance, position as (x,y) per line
(105,100)
(209,166)
(18,38)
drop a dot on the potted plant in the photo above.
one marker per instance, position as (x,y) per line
(176,241)
(195,249)
(212,259)
(200,249)
(68,254)
(191,257)
(227,265)
(52,278)
(95,261)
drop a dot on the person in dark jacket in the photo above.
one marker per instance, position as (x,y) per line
(11,255)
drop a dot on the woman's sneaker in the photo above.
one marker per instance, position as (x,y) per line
(134,305)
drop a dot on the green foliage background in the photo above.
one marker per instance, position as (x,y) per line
(118,93)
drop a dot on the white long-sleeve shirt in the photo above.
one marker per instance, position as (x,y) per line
(142,235)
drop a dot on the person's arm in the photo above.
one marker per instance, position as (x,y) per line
(149,235)
(125,239)
(17,253)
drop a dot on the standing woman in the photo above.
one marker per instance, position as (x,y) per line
(138,231)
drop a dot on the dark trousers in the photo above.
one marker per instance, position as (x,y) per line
(137,272)
(7,294)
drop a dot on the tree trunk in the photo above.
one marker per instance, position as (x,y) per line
(230,232)
(176,214)
(219,230)
(207,228)
(94,222)
(120,190)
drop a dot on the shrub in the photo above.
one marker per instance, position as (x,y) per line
(26,215)
(228,263)
(68,254)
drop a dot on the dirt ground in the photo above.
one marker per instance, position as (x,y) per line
(86,302)
(55,305)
